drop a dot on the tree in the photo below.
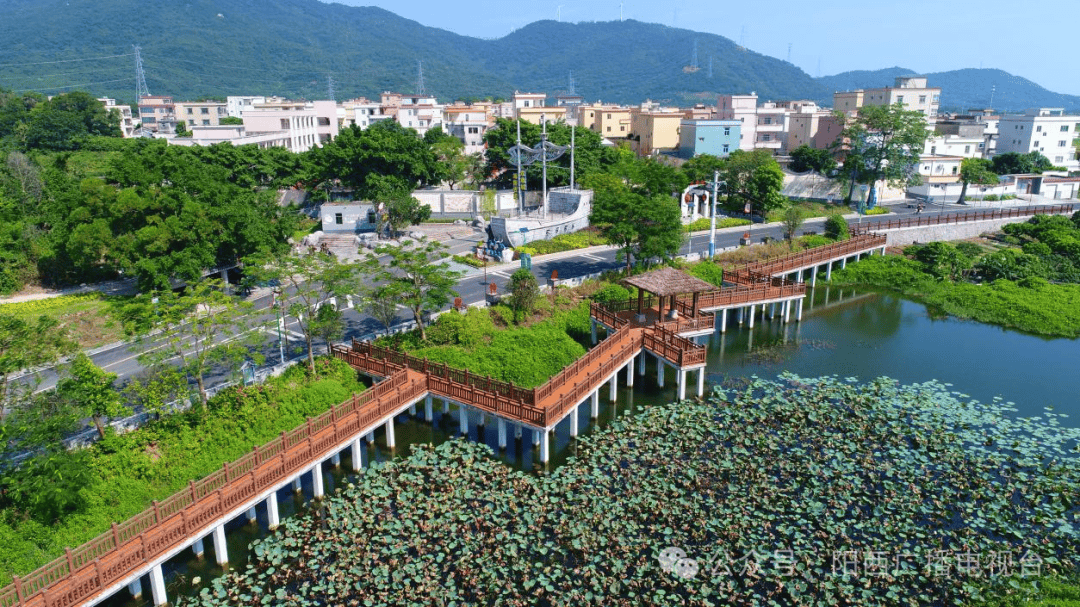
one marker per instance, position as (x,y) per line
(308,282)
(402,210)
(64,121)
(836,228)
(413,278)
(91,389)
(524,292)
(754,180)
(641,227)
(329,324)
(381,306)
(702,167)
(977,171)
(25,345)
(453,163)
(189,328)
(793,220)
(805,158)
(385,157)
(1015,163)
(182,130)
(231,121)
(888,139)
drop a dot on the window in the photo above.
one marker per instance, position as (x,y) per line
(205,111)
(1061,144)
(899,98)
(1064,128)
(338,219)
(191,123)
(727,130)
(767,121)
(622,128)
(1038,129)
(922,99)
(206,123)
(371,218)
(190,111)
(701,139)
(609,129)
(473,130)
(954,170)
(1058,159)
(967,149)
(933,150)
(726,148)
(284,123)
(766,137)
(609,116)
(324,121)
(1036,144)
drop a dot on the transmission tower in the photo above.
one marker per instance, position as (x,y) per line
(789,52)
(693,59)
(571,90)
(140,76)
(420,78)
(330,87)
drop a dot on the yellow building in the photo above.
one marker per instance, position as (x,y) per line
(611,121)
(551,114)
(653,131)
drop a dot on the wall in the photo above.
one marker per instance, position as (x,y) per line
(948,231)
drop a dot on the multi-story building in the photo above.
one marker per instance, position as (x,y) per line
(716,137)
(976,123)
(127,120)
(361,112)
(539,113)
(910,91)
(1049,131)
(653,131)
(235,105)
(763,127)
(813,127)
(528,100)
(611,121)
(298,121)
(157,113)
(468,123)
(419,112)
(202,113)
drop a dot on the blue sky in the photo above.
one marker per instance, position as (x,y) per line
(840,35)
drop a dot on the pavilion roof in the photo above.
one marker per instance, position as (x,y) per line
(668,281)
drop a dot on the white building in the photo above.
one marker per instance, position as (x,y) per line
(467,123)
(127,119)
(1049,131)
(235,106)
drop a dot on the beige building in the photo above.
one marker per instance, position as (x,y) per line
(538,113)
(201,113)
(468,123)
(127,119)
(763,127)
(651,132)
(910,91)
(611,121)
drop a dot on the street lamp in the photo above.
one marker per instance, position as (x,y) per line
(712,228)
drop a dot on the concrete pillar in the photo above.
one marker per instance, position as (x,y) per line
(843,262)
(828,271)
(157,585)
(317,481)
(428,415)
(357,456)
(701,382)
(659,371)
(135,588)
(612,392)
(883,251)
(723,320)
(296,486)
(573,420)
(798,313)
(412,410)
(335,459)
(370,437)
(739,314)
(787,311)
(198,548)
(390,438)
(536,437)
(502,433)
(682,384)
(641,364)
(799,277)
(517,431)
(272,511)
(813,277)
(482,423)
(594,411)
(592,330)
(445,406)
(221,550)
(251,515)
(752,316)
(463,420)
(630,372)
(543,446)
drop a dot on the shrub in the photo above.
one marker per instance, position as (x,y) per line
(705,223)
(876,211)
(611,293)
(709,272)
(809,242)
(524,291)
(970,249)
(836,228)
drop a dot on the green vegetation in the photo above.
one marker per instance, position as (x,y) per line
(894,472)
(1034,289)
(486,342)
(88,318)
(809,209)
(705,223)
(589,237)
(805,158)
(119,476)
(886,141)
(468,260)
(876,211)
(836,227)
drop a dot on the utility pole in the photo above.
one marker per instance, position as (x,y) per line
(712,227)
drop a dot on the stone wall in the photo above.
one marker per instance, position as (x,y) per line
(946,231)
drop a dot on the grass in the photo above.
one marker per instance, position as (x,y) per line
(128,471)
(809,209)
(87,317)
(705,223)
(469,260)
(307,226)
(589,237)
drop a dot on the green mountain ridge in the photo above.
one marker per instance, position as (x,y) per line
(293,48)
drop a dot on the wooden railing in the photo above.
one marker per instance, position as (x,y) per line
(680,351)
(620,347)
(816,255)
(961,217)
(740,295)
(113,556)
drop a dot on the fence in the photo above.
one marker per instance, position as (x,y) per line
(126,547)
(960,217)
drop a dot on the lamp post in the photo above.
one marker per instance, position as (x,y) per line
(280,324)
(712,227)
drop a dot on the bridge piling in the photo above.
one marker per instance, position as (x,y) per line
(641,364)
(428,416)
(296,484)
(701,382)
(595,404)
(813,277)
(682,384)
(543,446)
(752,316)
(317,481)
(135,588)
(370,437)
(463,420)
(614,384)
(335,459)
(274,520)
(357,456)
(198,548)
(445,406)
(536,437)
(660,372)
(251,516)
(390,438)
(157,586)
(221,550)
(723,320)
(630,372)
(502,433)
(517,432)
(573,421)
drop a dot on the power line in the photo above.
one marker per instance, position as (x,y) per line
(66,60)
(70,86)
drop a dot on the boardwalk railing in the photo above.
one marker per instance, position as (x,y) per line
(680,351)
(816,255)
(961,217)
(108,559)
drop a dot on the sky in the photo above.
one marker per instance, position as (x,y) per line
(826,37)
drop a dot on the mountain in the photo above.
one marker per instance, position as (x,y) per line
(213,48)
(964,89)
(200,48)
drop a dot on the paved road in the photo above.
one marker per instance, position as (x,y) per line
(123,359)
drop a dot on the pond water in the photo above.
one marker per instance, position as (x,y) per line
(848,333)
